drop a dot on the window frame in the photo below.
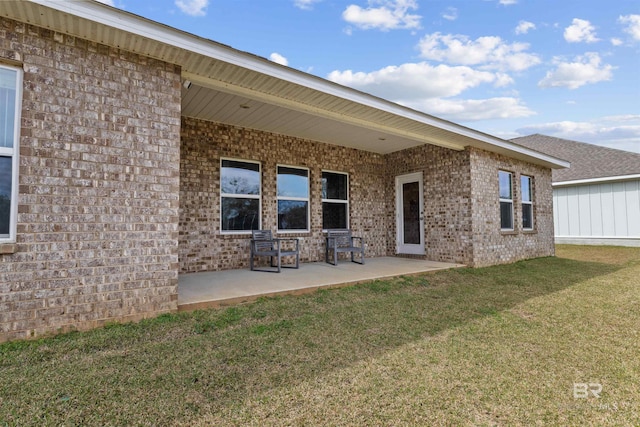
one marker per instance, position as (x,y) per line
(14,153)
(296,199)
(241,196)
(337,201)
(527,202)
(505,200)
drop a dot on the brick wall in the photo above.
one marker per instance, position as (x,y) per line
(203,247)
(447,193)
(490,245)
(462,214)
(98,186)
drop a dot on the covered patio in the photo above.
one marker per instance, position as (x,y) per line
(228,287)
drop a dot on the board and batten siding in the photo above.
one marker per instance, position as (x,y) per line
(606,213)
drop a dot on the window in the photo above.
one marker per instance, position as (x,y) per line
(527,202)
(240,195)
(506,200)
(335,200)
(293,198)
(10,94)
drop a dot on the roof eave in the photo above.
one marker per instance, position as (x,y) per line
(125,21)
(606,179)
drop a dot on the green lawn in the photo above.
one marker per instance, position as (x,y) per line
(500,346)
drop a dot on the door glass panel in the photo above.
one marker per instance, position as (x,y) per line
(411,212)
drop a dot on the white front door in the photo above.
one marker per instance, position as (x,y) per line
(410,214)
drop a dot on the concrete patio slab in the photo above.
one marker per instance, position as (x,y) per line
(221,288)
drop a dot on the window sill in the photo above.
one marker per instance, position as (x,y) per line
(8,248)
(235,233)
(532,231)
(508,232)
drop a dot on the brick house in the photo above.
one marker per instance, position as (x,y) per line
(132,152)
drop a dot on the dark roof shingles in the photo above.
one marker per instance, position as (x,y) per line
(588,161)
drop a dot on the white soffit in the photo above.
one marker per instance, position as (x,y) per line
(327,111)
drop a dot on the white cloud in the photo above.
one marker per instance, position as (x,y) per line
(468,110)
(305,4)
(616,41)
(524,27)
(413,81)
(489,52)
(388,15)
(503,80)
(632,23)
(580,30)
(278,59)
(450,14)
(586,69)
(107,2)
(423,87)
(507,2)
(621,132)
(193,7)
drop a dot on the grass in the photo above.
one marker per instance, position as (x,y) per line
(494,346)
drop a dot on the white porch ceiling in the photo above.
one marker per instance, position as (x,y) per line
(208,104)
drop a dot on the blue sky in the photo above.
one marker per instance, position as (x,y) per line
(566,68)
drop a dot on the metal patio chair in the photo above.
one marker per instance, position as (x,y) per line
(264,244)
(342,241)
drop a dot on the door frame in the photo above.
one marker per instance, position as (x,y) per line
(407,248)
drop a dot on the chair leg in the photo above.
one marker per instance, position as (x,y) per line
(279,262)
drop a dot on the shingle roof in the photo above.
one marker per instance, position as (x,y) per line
(588,161)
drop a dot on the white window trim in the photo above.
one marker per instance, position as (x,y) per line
(241,196)
(533,222)
(346,202)
(14,153)
(507,201)
(295,199)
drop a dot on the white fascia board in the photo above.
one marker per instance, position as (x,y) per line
(134,24)
(596,180)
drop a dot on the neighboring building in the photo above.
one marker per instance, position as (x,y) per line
(596,200)
(132,152)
